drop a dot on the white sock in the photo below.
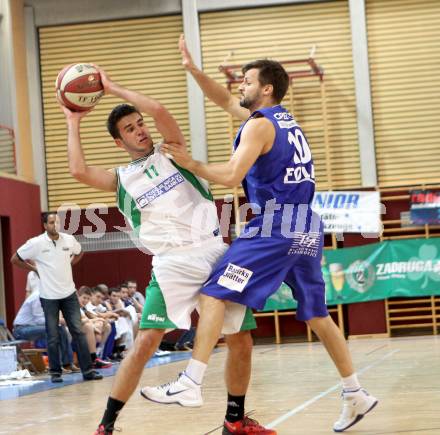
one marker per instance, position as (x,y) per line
(351,383)
(196,370)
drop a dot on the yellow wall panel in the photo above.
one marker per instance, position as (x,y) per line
(7,151)
(404,54)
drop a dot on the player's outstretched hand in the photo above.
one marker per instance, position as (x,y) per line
(187,60)
(178,153)
(105,79)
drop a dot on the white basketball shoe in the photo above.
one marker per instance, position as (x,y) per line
(355,405)
(183,391)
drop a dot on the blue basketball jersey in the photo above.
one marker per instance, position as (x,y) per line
(286,172)
(289,249)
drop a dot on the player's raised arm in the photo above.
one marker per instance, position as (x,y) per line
(165,123)
(94,176)
(213,90)
(256,139)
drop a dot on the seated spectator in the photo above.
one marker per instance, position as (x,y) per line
(104,290)
(96,329)
(124,325)
(132,291)
(132,306)
(128,299)
(29,325)
(96,306)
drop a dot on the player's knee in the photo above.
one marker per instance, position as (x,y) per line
(318,322)
(209,302)
(240,343)
(147,339)
(143,341)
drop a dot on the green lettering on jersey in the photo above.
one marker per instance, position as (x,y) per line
(151,169)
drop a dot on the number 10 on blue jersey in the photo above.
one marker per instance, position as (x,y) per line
(303,169)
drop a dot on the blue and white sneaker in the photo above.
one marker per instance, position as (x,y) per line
(355,405)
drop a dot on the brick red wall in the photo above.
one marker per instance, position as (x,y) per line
(112,268)
(20,214)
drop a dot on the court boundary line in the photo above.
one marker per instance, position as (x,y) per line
(314,399)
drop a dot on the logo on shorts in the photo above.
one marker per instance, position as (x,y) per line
(305,244)
(155,318)
(235,277)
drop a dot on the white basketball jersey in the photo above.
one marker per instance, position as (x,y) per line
(167,206)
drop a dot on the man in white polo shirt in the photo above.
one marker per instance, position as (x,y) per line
(54,253)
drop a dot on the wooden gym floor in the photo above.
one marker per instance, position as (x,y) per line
(294,389)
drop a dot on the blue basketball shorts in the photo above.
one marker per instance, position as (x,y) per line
(287,249)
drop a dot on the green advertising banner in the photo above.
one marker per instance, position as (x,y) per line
(394,268)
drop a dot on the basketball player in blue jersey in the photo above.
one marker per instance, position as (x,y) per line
(161,200)
(273,161)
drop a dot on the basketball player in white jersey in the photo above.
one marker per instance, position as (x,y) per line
(175,218)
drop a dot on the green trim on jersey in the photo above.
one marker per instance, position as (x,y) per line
(140,159)
(194,181)
(133,213)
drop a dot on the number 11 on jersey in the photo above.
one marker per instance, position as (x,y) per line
(151,172)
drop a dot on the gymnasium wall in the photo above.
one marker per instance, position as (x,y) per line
(112,268)
(20,213)
(404,53)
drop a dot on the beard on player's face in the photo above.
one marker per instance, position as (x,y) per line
(250,101)
(245,102)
